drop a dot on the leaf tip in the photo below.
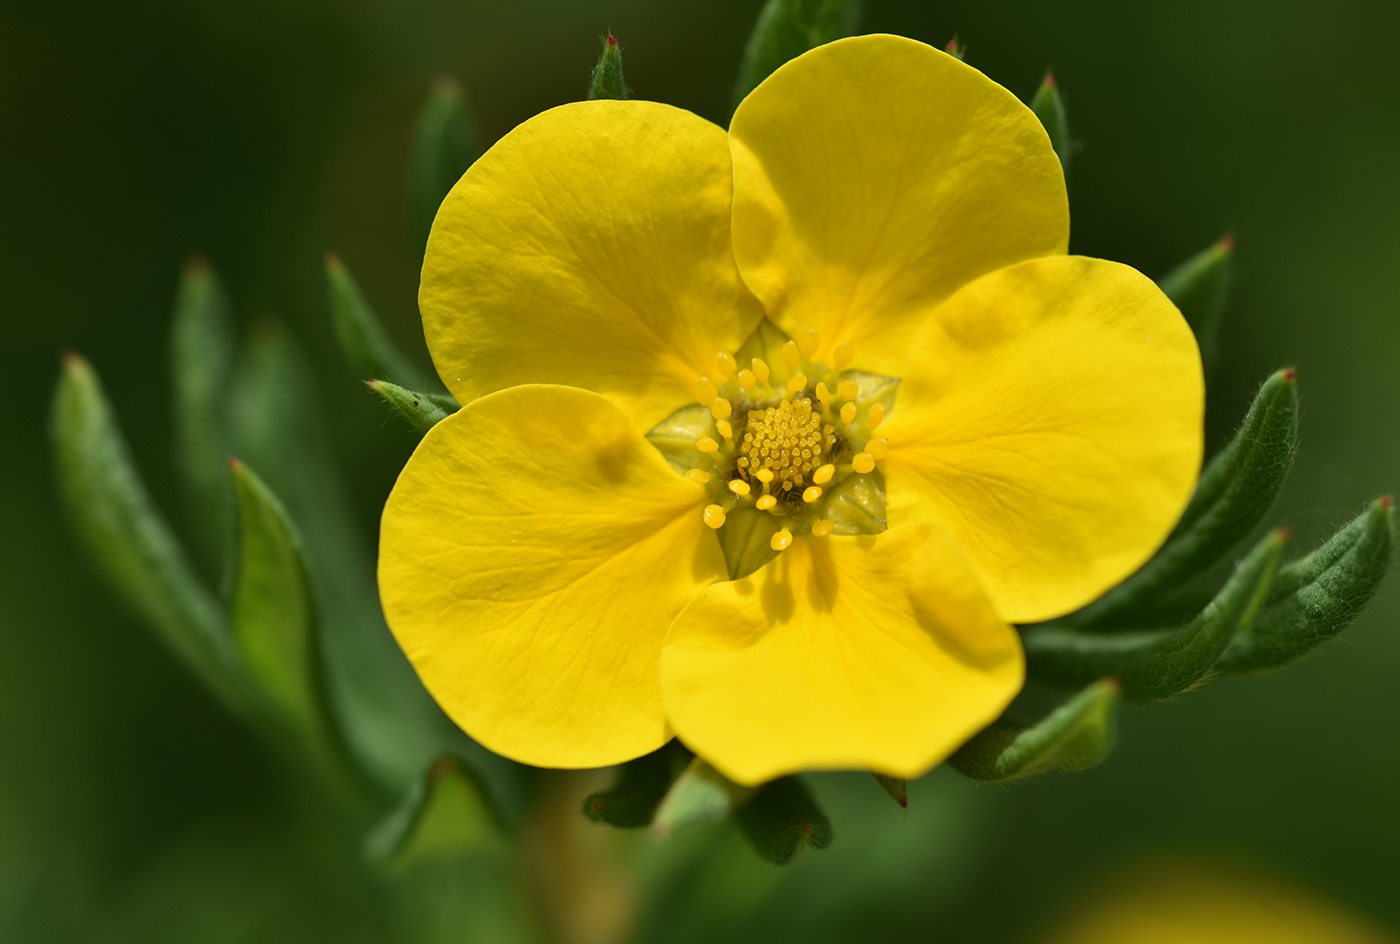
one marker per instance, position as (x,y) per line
(1289,374)
(612,40)
(1386,502)
(196,267)
(73,361)
(1282,534)
(446,86)
(1226,243)
(333,263)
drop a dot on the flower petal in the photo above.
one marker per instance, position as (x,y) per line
(873,177)
(878,652)
(589,247)
(1054,431)
(532,554)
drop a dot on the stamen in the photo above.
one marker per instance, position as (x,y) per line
(763,475)
(792,355)
(848,413)
(698,476)
(845,353)
(785,443)
(765,502)
(726,364)
(822,528)
(747,381)
(796,383)
(863,462)
(706,444)
(714,516)
(824,474)
(808,342)
(721,408)
(812,494)
(724,428)
(824,395)
(739,486)
(781,541)
(878,448)
(760,370)
(848,390)
(876,416)
(705,391)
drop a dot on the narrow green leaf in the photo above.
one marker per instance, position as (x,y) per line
(1075,736)
(1156,664)
(607,74)
(125,534)
(1236,491)
(1315,598)
(700,795)
(444,146)
(788,28)
(202,348)
(423,411)
(444,813)
(896,787)
(362,338)
(1049,107)
(782,818)
(641,785)
(272,616)
(1200,287)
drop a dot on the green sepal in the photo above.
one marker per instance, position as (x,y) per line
(444,813)
(1315,598)
(423,411)
(126,536)
(272,613)
(445,144)
(699,795)
(1049,107)
(766,343)
(788,28)
(782,818)
(747,540)
(362,338)
(1075,736)
(202,351)
(1235,492)
(607,74)
(1200,287)
(857,505)
(896,787)
(677,434)
(1157,664)
(631,803)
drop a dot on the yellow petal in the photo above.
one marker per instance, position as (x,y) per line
(532,554)
(589,247)
(1055,431)
(876,652)
(873,176)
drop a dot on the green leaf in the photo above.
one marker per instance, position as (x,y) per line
(1200,287)
(700,795)
(444,813)
(124,533)
(1235,492)
(444,145)
(202,348)
(422,410)
(788,28)
(896,787)
(1156,664)
(1049,107)
(607,74)
(781,819)
(362,338)
(1076,736)
(272,617)
(641,785)
(1315,598)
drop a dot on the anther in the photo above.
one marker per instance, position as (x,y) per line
(796,382)
(765,502)
(812,494)
(808,342)
(822,528)
(876,416)
(863,462)
(823,394)
(848,413)
(705,391)
(878,448)
(760,370)
(738,486)
(781,540)
(792,355)
(847,390)
(720,408)
(724,428)
(824,474)
(845,353)
(726,364)
(764,475)
(714,516)
(706,444)
(747,381)
(698,476)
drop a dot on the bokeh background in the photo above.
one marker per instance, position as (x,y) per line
(267,132)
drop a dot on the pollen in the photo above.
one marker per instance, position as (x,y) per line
(781,541)
(714,516)
(788,441)
(698,476)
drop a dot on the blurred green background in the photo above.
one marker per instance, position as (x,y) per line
(265,133)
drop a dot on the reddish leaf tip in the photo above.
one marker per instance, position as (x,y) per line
(1387,502)
(1290,374)
(1227,243)
(1050,79)
(612,40)
(235,463)
(1283,533)
(440,768)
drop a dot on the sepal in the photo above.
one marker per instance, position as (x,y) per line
(362,338)
(641,785)
(444,813)
(1049,107)
(1075,736)
(607,74)
(423,411)
(1200,286)
(445,144)
(896,787)
(699,795)
(781,819)
(785,30)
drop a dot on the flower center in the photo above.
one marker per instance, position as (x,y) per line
(788,441)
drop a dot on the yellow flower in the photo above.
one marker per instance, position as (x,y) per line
(1028,422)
